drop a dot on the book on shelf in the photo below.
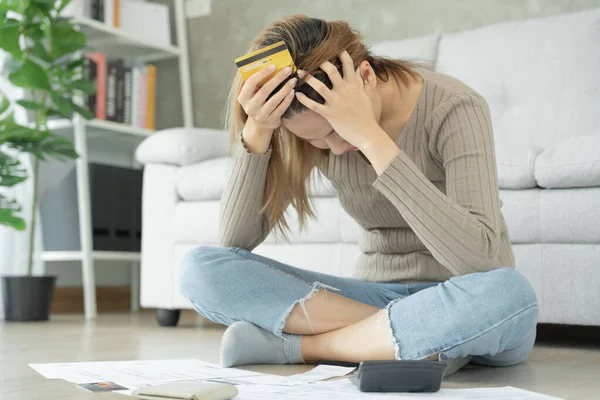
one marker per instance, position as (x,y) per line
(124,94)
(107,11)
(120,93)
(111,90)
(127,89)
(150,96)
(96,72)
(143,99)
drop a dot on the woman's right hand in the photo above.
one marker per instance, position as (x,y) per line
(266,115)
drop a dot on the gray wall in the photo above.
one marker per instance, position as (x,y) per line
(215,40)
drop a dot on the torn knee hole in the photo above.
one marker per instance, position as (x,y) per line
(317,287)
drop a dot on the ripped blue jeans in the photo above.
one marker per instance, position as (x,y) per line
(490,316)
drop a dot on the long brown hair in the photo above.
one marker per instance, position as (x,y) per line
(311,42)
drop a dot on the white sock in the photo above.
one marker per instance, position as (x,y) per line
(245,343)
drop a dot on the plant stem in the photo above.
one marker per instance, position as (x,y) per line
(36,167)
(40,121)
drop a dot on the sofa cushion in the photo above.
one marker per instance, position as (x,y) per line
(552,216)
(570,216)
(571,163)
(516,166)
(206,180)
(198,222)
(419,48)
(540,77)
(183,146)
(521,212)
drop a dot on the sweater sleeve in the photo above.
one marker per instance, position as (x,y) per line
(241,222)
(461,228)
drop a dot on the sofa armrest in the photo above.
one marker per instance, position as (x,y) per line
(182,146)
(159,201)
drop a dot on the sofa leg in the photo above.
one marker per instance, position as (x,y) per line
(166,317)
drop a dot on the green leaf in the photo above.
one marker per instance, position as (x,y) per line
(80,62)
(66,40)
(53,113)
(67,48)
(11,172)
(30,76)
(10,33)
(12,179)
(8,214)
(30,13)
(8,120)
(63,105)
(40,52)
(11,5)
(17,136)
(62,6)
(30,105)
(83,85)
(4,104)
(43,7)
(34,30)
(63,22)
(84,112)
(9,218)
(45,10)
(52,146)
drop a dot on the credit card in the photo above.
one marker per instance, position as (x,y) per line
(101,387)
(276,54)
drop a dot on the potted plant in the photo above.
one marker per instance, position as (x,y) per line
(45,61)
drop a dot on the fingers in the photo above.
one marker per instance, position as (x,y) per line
(333,73)
(347,65)
(285,103)
(316,84)
(272,84)
(256,100)
(281,95)
(310,104)
(249,88)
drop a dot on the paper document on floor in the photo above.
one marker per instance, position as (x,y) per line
(344,389)
(139,374)
(252,385)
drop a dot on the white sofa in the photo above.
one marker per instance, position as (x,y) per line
(541,79)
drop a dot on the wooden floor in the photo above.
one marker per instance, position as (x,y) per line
(563,369)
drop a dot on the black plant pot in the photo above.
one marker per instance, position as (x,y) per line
(27,298)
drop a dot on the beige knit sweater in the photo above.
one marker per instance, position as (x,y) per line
(432,214)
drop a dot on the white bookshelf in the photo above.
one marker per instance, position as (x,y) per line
(100,129)
(115,44)
(119,44)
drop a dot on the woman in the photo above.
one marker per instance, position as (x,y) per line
(411,154)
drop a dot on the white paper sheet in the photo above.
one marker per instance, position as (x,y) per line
(321,372)
(344,389)
(139,374)
(253,385)
(136,373)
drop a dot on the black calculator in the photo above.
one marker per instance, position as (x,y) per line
(399,376)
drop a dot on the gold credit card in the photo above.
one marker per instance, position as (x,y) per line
(276,54)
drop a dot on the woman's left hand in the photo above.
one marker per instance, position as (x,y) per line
(347,106)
